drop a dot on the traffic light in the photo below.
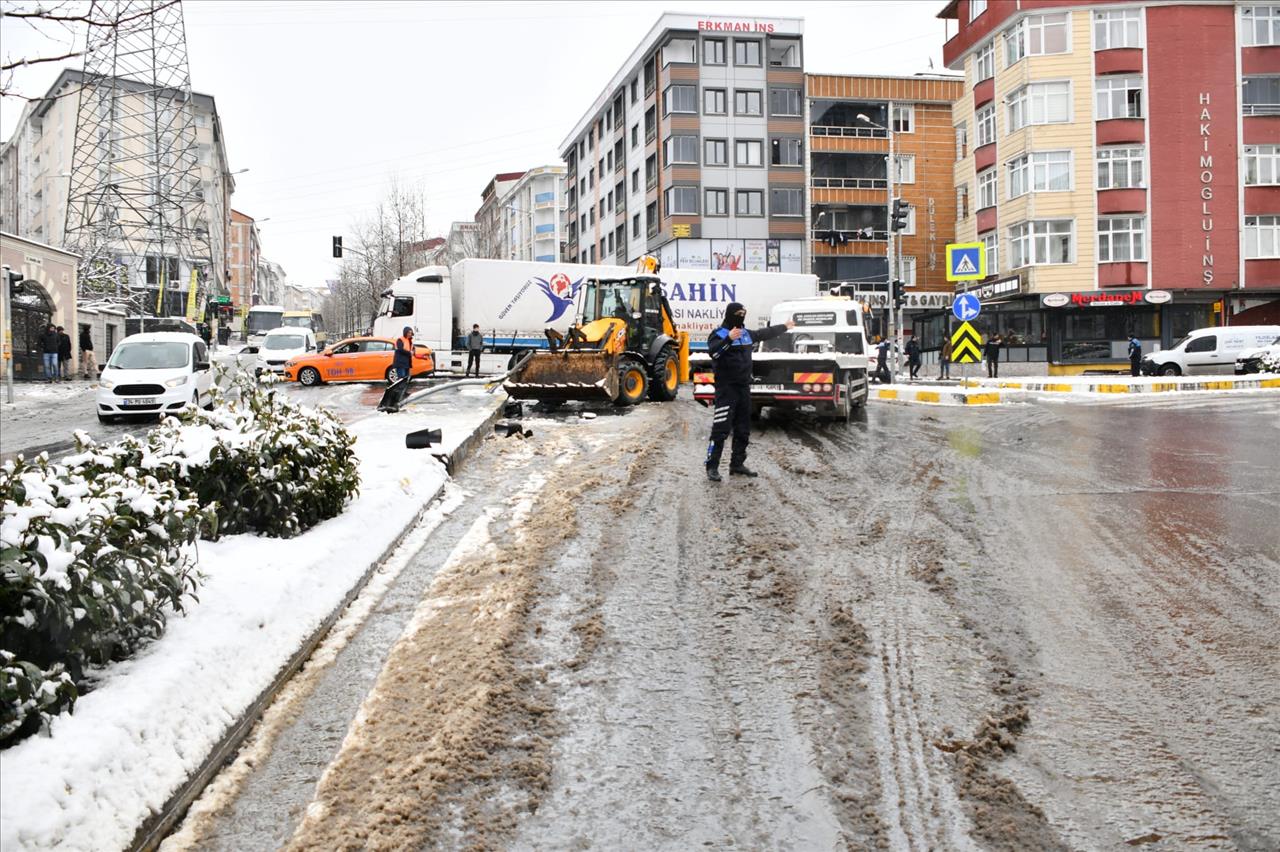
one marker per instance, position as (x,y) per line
(899,293)
(14,283)
(898,219)
(337,246)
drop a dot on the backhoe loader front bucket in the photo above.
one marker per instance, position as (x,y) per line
(566,375)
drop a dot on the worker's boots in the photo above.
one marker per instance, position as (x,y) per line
(713,473)
(742,470)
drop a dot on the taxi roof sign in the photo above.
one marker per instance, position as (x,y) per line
(966,262)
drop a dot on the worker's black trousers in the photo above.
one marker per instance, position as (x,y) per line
(732,413)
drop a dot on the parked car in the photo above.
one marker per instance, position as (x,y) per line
(1250,360)
(356,359)
(161,372)
(278,347)
(1210,350)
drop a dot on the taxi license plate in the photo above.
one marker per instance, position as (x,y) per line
(146,400)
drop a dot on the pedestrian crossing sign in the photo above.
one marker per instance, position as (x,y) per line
(966,262)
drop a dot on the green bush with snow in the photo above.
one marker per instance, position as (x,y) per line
(99,547)
(1271,362)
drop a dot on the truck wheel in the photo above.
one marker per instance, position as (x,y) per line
(666,376)
(309,376)
(848,399)
(632,382)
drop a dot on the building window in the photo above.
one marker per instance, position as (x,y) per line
(962,141)
(680,50)
(784,53)
(682,201)
(784,102)
(714,102)
(747,102)
(984,63)
(991,246)
(906,168)
(1042,242)
(680,99)
(1261,25)
(962,201)
(635,89)
(987,189)
(985,119)
(604,208)
(1122,168)
(1036,35)
(786,202)
(907,271)
(1262,165)
(1040,103)
(715,152)
(651,218)
(591,177)
(1122,238)
(611,244)
(680,149)
(635,135)
(1118,97)
(713,51)
(1261,95)
(603,172)
(976,8)
(748,202)
(1117,28)
(1261,236)
(787,152)
(635,180)
(635,225)
(746,52)
(748,152)
(717,202)
(1041,171)
(651,170)
(903,118)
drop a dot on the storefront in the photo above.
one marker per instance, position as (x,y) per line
(46,295)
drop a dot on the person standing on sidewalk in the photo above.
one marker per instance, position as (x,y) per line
(1135,355)
(475,345)
(730,349)
(49,344)
(88,366)
(944,359)
(64,353)
(913,357)
(993,356)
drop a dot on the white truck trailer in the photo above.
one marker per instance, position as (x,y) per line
(514,302)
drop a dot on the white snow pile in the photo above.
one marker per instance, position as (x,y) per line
(152,720)
(1271,361)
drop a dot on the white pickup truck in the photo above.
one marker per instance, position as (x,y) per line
(820,365)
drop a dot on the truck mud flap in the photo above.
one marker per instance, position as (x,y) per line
(565,376)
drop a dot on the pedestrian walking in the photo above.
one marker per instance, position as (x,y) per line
(475,345)
(992,351)
(402,361)
(64,353)
(882,361)
(1135,355)
(49,343)
(913,357)
(944,359)
(88,366)
(730,348)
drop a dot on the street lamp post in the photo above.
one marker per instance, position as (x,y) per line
(895,313)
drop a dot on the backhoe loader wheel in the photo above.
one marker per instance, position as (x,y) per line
(666,376)
(633,381)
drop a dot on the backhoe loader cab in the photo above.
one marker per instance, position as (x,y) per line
(623,346)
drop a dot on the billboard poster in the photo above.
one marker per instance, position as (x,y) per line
(695,254)
(667,257)
(727,254)
(772,256)
(791,256)
(754,255)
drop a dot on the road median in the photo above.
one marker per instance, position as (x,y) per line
(996,391)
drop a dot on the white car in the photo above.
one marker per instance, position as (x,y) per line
(1250,360)
(162,372)
(279,346)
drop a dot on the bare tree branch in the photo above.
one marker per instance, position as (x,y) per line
(23,62)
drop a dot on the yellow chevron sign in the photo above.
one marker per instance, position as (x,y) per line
(966,345)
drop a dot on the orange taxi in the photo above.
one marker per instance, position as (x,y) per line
(356,359)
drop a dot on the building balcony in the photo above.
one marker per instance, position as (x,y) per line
(857,132)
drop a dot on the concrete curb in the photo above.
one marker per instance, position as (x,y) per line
(996,391)
(938,397)
(153,832)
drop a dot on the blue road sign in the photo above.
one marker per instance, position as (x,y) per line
(966,307)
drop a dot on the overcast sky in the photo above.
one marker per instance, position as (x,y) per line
(323,101)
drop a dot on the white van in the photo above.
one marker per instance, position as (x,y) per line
(160,372)
(277,347)
(1250,360)
(1208,351)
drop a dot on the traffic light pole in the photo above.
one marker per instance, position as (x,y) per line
(8,335)
(890,255)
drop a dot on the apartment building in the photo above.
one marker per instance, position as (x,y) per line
(35,175)
(522,215)
(244,254)
(1119,163)
(850,122)
(694,150)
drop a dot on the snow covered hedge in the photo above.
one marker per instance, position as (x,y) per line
(1271,362)
(91,564)
(99,547)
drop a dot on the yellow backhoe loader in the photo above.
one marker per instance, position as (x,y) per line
(623,345)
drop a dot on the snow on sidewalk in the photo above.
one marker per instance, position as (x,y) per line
(151,722)
(1023,388)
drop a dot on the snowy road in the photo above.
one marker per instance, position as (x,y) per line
(1041,626)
